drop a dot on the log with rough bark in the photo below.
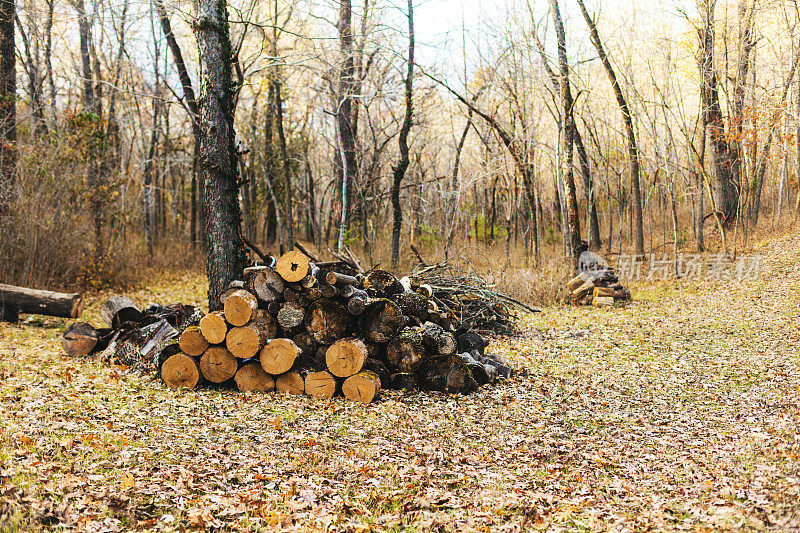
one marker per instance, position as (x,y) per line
(382,283)
(603,301)
(357,302)
(406,351)
(217,364)
(437,340)
(80,339)
(328,291)
(320,384)
(233,286)
(15,300)
(279,355)
(374,365)
(251,377)
(119,309)
(293,266)
(380,320)
(291,315)
(362,387)
(214,327)
(345,357)
(290,383)
(327,321)
(340,280)
(306,343)
(192,341)
(264,282)
(181,371)
(239,307)
(245,341)
(446,373)
(404,381)
(412,304)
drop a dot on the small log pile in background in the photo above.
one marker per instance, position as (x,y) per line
(300,327)
(600,289)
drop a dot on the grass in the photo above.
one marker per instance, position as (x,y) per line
(679,411)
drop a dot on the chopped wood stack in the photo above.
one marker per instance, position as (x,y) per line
(599,289)
(299,328)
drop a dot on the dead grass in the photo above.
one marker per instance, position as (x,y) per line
(677,412)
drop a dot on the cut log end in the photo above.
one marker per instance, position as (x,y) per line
(362,387)
(346,357)
(251,377)
(239,307)
(192,341)
(214,327)
(293,266)
(217,364)
(290,383)
(279,355)
(320,384)
(181,371)
(79,339)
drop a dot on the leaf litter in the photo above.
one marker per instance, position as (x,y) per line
(677,412)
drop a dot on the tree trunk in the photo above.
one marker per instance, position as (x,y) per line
(345,115)
(40,302)
(633,151)
(8,106)
(569,130)
(225,249)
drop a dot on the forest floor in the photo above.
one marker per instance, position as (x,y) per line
(678,412)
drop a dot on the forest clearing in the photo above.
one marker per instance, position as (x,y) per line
(677,412)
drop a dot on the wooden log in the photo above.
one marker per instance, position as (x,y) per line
(602,291)
(310,281)
(357,303)
(313,294)
(290,383)
(305,341)
(470,342)
(326,321)
(406,351)
(328,291)
(233,286)
(320,384)
(340,280)
(273,308)
(291,315)
(380,320)
(362,387)
(217,364)
(15,300)
(584,289)
(278,356)
(412,304)
(214,327)
(192,341)
(290,294)
(251,377)
(346,357)
(425,290)
(603,301)
(404,381)
(245,341)
(578,280)
(239,307)
(382,283)
(264,282)
(446,373)
(79,339)
(437,340)
(293,266)
(383,372)
(181,371)
(119,309)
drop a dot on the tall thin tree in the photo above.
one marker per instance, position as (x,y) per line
(8,106)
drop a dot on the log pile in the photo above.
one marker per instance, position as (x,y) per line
(598,289)
(299,327)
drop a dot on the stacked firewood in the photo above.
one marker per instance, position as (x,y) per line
(319,329)
(600,289)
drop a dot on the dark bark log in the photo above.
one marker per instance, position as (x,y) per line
(327,321)
(381,320)
(33,301)
(404,381)
(437,340)
(80,339)
(405,352)
(382,284)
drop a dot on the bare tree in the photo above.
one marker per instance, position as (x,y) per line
(344,114)
(402,164)
(8,105)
